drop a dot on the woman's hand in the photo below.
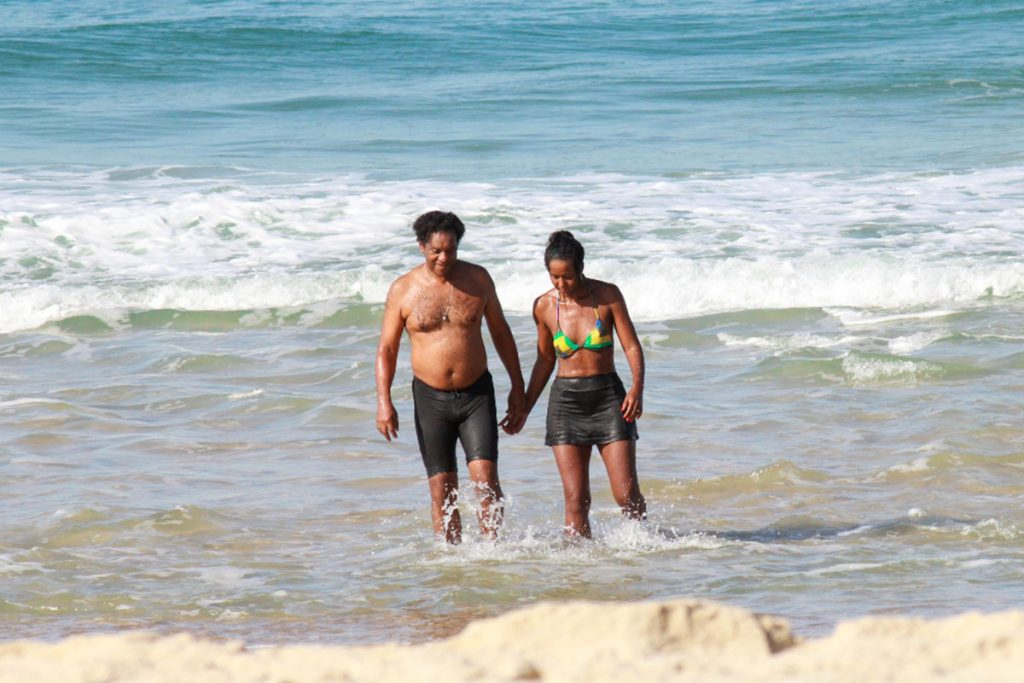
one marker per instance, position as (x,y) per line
(633,405)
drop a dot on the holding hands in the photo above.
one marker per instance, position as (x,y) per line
(515,416)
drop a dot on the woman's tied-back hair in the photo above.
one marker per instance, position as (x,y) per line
(562,246)
(438,221)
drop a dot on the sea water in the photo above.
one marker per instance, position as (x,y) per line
(813,211)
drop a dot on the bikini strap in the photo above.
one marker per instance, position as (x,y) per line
(558,311)
(593,299)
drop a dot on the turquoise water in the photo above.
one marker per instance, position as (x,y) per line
(485,90)
(814,212)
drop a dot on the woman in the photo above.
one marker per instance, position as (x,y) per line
(588,405)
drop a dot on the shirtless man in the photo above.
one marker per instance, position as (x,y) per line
(441,305)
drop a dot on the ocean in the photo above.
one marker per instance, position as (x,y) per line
(813,210)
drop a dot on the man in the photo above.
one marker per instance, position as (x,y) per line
(441,305)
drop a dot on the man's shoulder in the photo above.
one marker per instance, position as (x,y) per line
(473,268)
(403,283)
(410,276)
(476,273)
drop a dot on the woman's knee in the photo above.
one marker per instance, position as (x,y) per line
(577,503)
(634,505)
(625,492)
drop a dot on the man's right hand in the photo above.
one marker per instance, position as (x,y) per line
(387,421)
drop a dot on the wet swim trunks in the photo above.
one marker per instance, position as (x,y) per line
(587,411)
(468,415)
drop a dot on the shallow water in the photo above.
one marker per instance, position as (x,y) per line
(231,482)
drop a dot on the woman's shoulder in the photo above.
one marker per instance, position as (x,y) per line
(604,292)
(544,306)
(545,300)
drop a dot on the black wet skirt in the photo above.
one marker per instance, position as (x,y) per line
(587,411)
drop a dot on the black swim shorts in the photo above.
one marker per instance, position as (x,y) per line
(443,417)
(587,411)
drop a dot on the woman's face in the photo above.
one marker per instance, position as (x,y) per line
(563,276)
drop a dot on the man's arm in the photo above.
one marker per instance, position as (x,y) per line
(633,405)
(505,345)
(387,360)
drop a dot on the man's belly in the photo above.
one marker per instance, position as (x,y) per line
(449,366)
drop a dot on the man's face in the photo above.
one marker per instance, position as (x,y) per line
(441,253)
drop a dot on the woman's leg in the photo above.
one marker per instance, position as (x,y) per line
(620,461)
(574,467)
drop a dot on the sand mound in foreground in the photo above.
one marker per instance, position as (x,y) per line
(679,640)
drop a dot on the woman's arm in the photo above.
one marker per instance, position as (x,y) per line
(545,363)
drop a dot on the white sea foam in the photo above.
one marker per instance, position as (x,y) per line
(786,343)
(28,401)
(856,318)
(866,369)
(922,464)
(238,396)
(977,564)
(230,577)
(870,249)
(914,342)
(844,568)
(9,565)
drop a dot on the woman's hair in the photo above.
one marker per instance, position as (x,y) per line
(438,221)
(562,246)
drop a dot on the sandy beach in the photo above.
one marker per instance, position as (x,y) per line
(678,640)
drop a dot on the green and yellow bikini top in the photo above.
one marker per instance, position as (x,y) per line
(596,339)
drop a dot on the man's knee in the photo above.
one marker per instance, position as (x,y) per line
(443,486)
(483,471)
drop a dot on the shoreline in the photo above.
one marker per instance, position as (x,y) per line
(674,640)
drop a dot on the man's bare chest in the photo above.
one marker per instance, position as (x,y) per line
(432,309)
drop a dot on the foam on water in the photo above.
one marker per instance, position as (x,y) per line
(866,369)
(696,245)
(915,342)
(612,537)
(846,568)
(781,344)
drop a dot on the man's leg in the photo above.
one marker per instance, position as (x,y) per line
(444,506)
(620,461)
(479,435)
(574,467)
(484,474)
(437,435)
